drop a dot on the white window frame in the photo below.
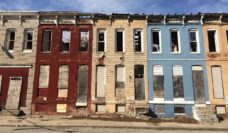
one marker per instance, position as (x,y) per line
(179,42)
(197,40)
(8,31)
(142,50)
(104,31)
(160,41)
(25,50)
(216,41)
(118,30)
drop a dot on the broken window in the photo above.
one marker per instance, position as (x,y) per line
(217,81)
(158,81)
(65,41)
(119,41)
(194,46)
(159,109)
(139,82)
(101,40)
(46,41)
(178,82)
(174,41)
(212,40)
(28,38)
(179,109)
(63,80)
(156,41)
(84,41)
(82,85)
(44,76)
(0,84)
(10,39)
(120,76)
(138,40)
(100,81)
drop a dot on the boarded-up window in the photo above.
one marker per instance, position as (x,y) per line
(120,108)
(119,40)
(82,85)
(120,76)
(101,40)
(178,89)
(217,82)
(61,108)
(46,41)
(212,41)
(65,41)
(63,80)
(138,40)
(84,41)
(158,81)
(100,108)
(100,81)
(0,84)
(44,76)
(174,41)
(139,82)
(159,109)
(10,39)
(156,41)
(28,38)
(198,84)
(194,45)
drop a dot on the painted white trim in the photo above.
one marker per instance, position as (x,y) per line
(216,41)
(197,41)
(81,104)
(160,41)
(208,102)
(17,66)
(163,59)
(171,102)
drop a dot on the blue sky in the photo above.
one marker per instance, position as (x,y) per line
(117,6)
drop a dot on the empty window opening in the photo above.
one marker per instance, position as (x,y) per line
(63,80)
(178,82)
(10,39)
(159,109)
(119,41)
(138,40)
(44,76)
(100,81)
(139,82)
(179,109)
(100,108)
(156,41)
(120,108)
(46,41)
(65,41)
(194,46)
(84,41)
(174,41)
(217,82)
(158,81)
(101,41)
(212,40)
(28,39)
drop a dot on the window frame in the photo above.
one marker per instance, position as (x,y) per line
(221,81)
(43,41)
(123,38)
(62,51)
(98,31)
(160,41)
(8,36)
(153,74)
(141,34)
(182,70)
(217,49)
(178,40)
(26,50)
(197,41)
(84,30)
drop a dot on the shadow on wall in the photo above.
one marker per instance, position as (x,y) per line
(7,51)
(152,114)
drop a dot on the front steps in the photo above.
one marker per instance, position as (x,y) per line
(204,114)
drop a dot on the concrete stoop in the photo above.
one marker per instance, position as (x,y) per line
(204,114)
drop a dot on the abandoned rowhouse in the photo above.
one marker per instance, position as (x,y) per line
(119,64)
(176,65)
(18,33)
(62,78)
(215,30)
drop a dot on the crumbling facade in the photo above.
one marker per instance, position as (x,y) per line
(216,51)
(176,65)
(63,64)
(18,40)
(119,65)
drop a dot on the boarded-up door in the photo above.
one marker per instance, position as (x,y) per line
(82,85)
(217,82)
(198,84)
(14,92)
(139,82)
(100,81)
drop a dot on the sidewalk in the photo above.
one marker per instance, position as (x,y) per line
(64,121)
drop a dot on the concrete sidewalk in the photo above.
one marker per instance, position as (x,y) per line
(64,121)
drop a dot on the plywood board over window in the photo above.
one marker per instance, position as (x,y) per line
(178,81)
(100,81)
(158,81)
(217,82)
(139,82)
(63,80)
(120,82)
(44,76)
